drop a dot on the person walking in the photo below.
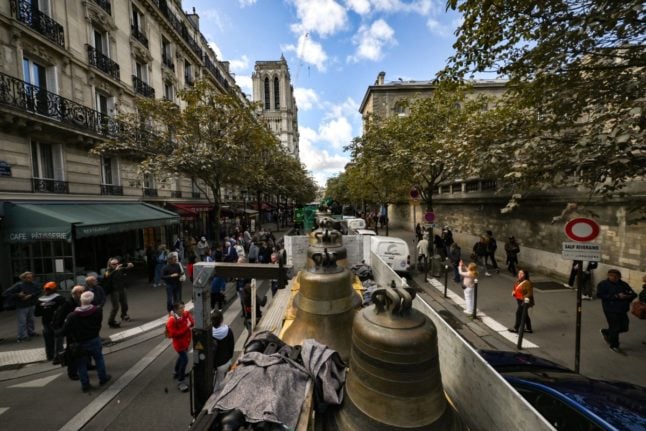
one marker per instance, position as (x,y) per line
(178,328)
(523,289)
(469,275)
(492,246)
(203,248)
(422,253)
(512,248)
(455,256)
(83,326)
(480,254)
(151,263)
(73,301)
(160,261)
(24,295)
(115,283)
(253,252)
(46,308)
(223,341)
(616,296)
(172,274)
(218,286)
(418,232)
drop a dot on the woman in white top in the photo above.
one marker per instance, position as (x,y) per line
(468,284)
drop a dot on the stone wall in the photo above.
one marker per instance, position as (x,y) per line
(623,241)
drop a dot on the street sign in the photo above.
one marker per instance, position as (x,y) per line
(414,194)
(429,216)
(582,229)
(579,251)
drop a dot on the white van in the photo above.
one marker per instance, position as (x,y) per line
(393,251)
(355,224)
(366,232)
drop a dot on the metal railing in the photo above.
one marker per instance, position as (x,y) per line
(167,60)
(26,11)
(196,195)
(151,193)
(139,35)
(103,62)
(142,88)
(111,190)
(210,66)
(19,95)
(105,5)
(179,26)
(45,185)
(175,193)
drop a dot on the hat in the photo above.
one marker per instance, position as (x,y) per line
(50,285)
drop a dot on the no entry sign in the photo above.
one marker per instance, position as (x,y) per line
(429,216)
(582,229)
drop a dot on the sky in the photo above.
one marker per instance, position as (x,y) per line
(334,50)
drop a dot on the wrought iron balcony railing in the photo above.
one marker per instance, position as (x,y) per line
(139,35)
(45,185)
(215,72)
(103,62)
(151,193)
(176,194)
(105,5)
(167,61)
(179,26)
(142,88)
(111,190)
(21,96)
(26,11)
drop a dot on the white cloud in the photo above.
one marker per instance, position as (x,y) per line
(324,17)
(244,3)
(239,65)
(306,98)
(216,49)
(438,28)
(422,7)
(319,161)
(336,132)
(309,51)
(361,7)
(348,108)
(245,83)
(371,40)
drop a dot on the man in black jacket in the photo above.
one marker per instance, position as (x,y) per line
(115,284)
(70,303)
(82,326)
(224,345)
(46,307)
(616,296)
(24,295)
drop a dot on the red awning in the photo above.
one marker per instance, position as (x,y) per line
(189,211)
(264,206)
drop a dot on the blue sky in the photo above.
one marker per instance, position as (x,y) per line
(334,49)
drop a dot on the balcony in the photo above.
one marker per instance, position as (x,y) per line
(44,185)
(175,193)
(111,190)
(21,96)
(150,193)
(142,88)
(105,5)
(27,13)
(103,62)
(139,35)
(179,26)
(196,195)
(167,60)
(210,66)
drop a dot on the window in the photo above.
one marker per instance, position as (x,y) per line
(267,96)
(137,19)
(149,181)
(41,6)
(104,104)
(195,190)
(276,94)
(169,91)
(101,42)
(141,72)
(188,73)
(110,171)
(400,109)
(167,57)
(47,161)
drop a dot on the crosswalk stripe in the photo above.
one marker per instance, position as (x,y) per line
(37,383)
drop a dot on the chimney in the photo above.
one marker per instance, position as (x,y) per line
(194,18)
(225,65)
(380,78)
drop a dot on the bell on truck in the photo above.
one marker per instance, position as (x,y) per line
(325,305)
(326,237)
(394,381)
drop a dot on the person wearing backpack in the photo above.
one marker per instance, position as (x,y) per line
(178,327)
(46,308)
(492,246)
(223,342)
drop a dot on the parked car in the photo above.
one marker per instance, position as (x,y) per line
(571,401)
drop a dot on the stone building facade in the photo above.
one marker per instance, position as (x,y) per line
(272,87)
(66,70)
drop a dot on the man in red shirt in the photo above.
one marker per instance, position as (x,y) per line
(178,328)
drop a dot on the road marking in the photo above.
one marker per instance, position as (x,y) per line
(145,327)
(37,383)
(490,322)
(3,409)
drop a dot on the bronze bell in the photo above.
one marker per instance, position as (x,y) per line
(325,306)
(327,238)
(394,382)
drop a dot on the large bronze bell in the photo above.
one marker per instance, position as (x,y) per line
(325,306)
(394,382)
(325,237)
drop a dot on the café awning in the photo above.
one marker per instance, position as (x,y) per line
(29,222)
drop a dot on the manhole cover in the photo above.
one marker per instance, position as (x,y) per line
(549,285)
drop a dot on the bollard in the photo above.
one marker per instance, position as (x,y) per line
(446,277)
(523,317)
(475,299)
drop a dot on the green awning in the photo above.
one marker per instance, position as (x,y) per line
(29,222)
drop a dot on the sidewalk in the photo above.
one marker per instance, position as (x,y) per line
(553,322)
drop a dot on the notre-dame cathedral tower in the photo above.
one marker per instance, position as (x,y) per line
(273,88)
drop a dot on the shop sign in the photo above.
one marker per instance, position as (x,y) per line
(5,169)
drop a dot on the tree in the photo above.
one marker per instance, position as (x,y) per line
(574,113)
(205,141)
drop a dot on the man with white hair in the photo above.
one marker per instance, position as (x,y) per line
(82,328)
(92,285)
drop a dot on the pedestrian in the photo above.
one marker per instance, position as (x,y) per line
(230,254)
(151,263)
(239,248)
(202,248)
(492,246)
(469,275)
(253,252)
(189,267)
(218,287)
(586,281)
(512,248)
(223,341)
(178,246)
(46,308)
(246,305)
(440,249)
(616,296)
(418,232)
(178,328)
(73,301)
(422,252)
(172,274)
(92,285)
(115,283)
(24,296)
(523,289)
(480,254)
(264,253)
(160,261)
(82,327)
(455,256)
(447,238)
